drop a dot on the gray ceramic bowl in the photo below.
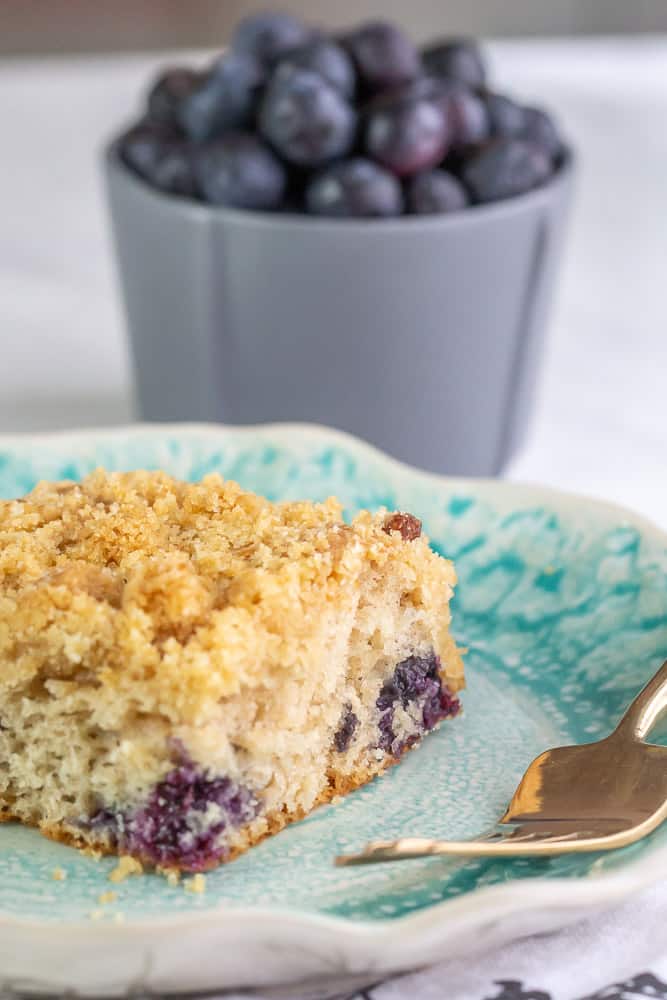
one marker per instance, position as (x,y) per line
(421,335)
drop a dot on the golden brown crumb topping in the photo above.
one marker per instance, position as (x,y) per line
(180,593)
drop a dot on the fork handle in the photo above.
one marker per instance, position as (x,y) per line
(647,708)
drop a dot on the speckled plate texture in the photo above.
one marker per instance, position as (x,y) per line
(562,605)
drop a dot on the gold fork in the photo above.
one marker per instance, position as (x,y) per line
(593,797)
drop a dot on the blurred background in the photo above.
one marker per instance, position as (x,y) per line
(33,26)
(72,72)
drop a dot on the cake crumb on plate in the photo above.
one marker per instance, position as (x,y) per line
(58,874)
(195,884)
(126,866)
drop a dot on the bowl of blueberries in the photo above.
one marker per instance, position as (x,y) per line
(343,230)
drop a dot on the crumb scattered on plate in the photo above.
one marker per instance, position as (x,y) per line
(195,884)
(126,866)
(58,874)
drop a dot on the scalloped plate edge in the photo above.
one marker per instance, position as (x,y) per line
(290,944)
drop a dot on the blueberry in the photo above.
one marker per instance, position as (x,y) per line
(439,704)
(506,167)
(141,146)
(539,127)
(173,172)
(407,136)
(176,825)
(467,116)
(421,88)
(354,188)
(430,88)
(240,171)
(223,99)
(383,54)
(506,117)
(347,728)
(266,36)
(326,58)
(511,120)
(414,677)
(167,93)
(160,157)
(457,59)
(415,684)
(434,192)
(306,119)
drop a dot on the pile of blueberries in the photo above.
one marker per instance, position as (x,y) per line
(361,125)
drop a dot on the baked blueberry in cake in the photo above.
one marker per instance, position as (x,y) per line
(186,668)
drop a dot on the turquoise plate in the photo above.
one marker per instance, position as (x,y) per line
(562,604)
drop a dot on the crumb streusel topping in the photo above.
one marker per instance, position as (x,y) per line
(175,595)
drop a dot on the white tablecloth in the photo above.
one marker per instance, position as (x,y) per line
(619,956)
(601,423)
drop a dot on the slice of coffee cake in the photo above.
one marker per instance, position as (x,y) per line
(184,668)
